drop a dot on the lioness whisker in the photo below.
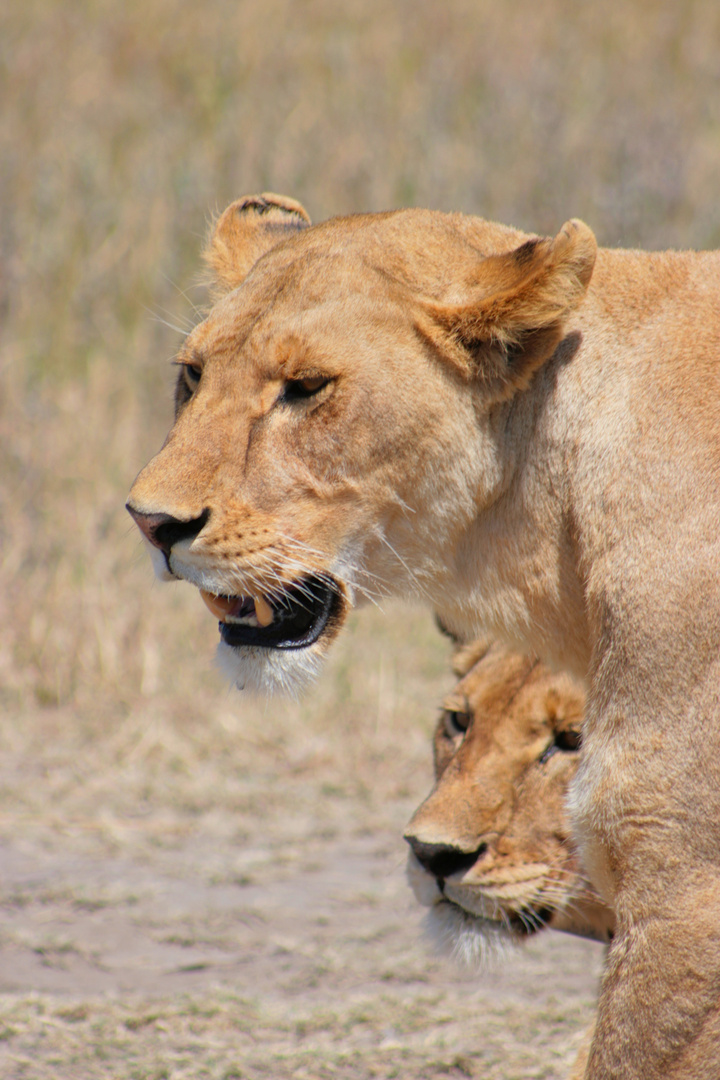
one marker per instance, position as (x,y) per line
(157,317)
(196,308)
(412,575)
(351,571)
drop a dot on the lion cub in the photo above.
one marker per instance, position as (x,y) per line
(491,847)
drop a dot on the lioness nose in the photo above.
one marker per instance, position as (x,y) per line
(164,530)
(442,860)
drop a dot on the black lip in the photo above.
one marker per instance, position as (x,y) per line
(301,615)
(533,921)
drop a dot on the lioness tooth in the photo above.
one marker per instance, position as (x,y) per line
(263,611)
(219,605)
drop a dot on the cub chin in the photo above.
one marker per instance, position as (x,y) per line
(491,847)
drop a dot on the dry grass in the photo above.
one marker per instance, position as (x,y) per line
(123,127)
(223,1036)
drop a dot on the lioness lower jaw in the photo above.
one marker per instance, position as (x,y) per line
(482,942)
(278,644)
(271,671)
(477,927)
(471,927)
(478,944)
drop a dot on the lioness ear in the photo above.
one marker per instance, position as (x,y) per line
(246,230)
(516,303)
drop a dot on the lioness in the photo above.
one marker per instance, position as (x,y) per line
(492,853)
(523,431)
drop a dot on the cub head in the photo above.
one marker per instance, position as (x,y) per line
(332,438)
(491,847)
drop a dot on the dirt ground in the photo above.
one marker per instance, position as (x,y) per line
(195,884)
(260,930)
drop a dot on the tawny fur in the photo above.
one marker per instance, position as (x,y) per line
(506,748)
(505,753)
(523,432)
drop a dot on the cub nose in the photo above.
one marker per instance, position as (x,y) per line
(164,530)
(443,860)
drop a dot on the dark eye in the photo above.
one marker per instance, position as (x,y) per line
(456,723)
(186,385)
(300,389)
(567,741)
(192,373)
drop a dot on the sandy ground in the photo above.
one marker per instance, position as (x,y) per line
(274,937)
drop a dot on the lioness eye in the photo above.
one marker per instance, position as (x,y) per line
(192,375)
(567,741)
(456,723)
(296,389)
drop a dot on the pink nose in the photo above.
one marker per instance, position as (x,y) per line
(164,530)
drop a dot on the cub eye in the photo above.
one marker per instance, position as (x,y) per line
(298,389)
(456,723)
(567,741)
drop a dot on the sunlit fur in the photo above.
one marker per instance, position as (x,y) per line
(525,431)
(270,671)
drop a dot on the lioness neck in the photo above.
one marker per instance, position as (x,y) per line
(598,418)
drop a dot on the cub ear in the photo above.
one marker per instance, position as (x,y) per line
(511,317)
(248,228)
(465,657)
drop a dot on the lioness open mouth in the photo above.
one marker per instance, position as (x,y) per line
(292,619)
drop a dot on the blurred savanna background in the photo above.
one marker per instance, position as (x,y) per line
(193,884)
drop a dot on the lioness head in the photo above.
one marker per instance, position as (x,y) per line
(491,847)
(336,429)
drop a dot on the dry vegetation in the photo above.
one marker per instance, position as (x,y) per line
(194,885)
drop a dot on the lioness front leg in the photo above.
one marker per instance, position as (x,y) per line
(649,823)
(658,1017)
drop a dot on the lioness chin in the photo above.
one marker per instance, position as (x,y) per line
(524,432)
